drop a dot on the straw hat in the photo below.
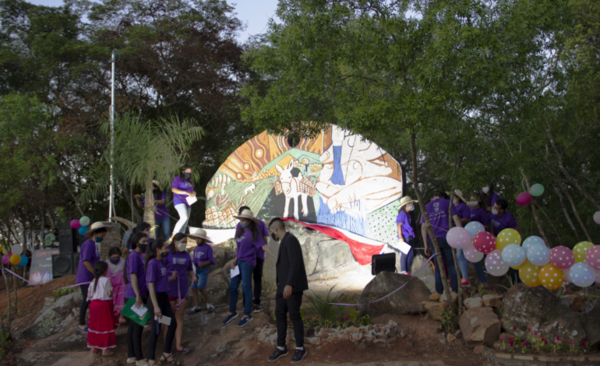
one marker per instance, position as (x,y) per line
(97,226)
(157,184)
(459,194)
(199,234)
(405,201)
(247,214)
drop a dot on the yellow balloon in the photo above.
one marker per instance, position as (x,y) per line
(551,277)
(508,237)
(15,259)
(580,249)
(529,274)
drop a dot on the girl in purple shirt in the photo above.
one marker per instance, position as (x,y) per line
(134,276)
(182,188)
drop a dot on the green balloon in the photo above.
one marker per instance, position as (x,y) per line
(537,190)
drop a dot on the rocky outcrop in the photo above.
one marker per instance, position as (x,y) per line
(406,301)
(54,318)
(473,302)
(480,326)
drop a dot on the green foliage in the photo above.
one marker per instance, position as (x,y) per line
(63,292)
(447,321)
(320,305)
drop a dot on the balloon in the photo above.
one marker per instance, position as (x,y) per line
(567,276)
(472,254)
(551,277)
(495,265)
(82,230)
(536,190)
(538,255)
(580,249)
(484,242)
(529,274)
(523,198)
(16,249)
(6,259)
(15,259)
(4,251)
(597,217)
(474,228)
(75,224)
(458,237)
(514,255)
(533,240)
(582,275)
(507,237)
(23,261)
(592,257)
(84,221)
(598,277)
(562,257)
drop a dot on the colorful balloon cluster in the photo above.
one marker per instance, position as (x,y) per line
(15,256)
(81,225)
(537,264)
(524,198)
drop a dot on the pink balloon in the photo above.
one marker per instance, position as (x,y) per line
(75,224)
(592,257)
(6,259)
(562,257)
(495,265)
(472,254)
(458,237)
(484,242)
(523,198)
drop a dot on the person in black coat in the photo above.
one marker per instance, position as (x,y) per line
(291,283)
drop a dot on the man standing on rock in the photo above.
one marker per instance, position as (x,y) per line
(291,283)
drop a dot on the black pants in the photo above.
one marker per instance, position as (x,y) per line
(257,276)
(134,339)
(291,306)
(84,304)
(162,298)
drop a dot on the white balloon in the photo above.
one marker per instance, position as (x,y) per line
(582,275)
(538,254)
(16,249)
(514,255)
(531,241)
(473,255)
(495,265)
(474,228)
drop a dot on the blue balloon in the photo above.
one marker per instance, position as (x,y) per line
(582,275)
(474,228)
(514,255)
(533,240)
(24,261)
(538,254)
(83,230)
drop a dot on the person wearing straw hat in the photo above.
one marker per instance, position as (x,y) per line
(249,241)
(88,256)
(406,233)
(464,214)
(202,258)
(161,214)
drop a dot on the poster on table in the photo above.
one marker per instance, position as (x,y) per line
(41,266)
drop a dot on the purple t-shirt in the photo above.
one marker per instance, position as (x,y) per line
(463,211)
(500,223)
(203,253)
(161,208)
(404,219)
(438,215)
(262,228)
(247,247)
(480,215)
(157,273)
(135,265)
(181,263)
(182,185)
(89,252)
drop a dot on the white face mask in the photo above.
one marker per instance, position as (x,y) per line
(411,207)
(494,211)
(181,246)
(485,190)
(455,201)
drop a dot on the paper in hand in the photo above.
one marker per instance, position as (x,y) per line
(235,272)
(139,311)
(163,319)
(191,200)
(403,247)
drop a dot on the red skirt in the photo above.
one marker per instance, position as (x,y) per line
(101,329)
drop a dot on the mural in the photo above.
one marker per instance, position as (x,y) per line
(337,179)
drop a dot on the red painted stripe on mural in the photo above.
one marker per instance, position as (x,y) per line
(362,252)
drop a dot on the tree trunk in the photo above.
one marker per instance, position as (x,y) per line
(567,216)
(534,212)
(60,177)
(8,315)
(434,242)
(149,207)
(551,223)
(458,273)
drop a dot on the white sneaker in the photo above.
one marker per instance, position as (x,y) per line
(210,307)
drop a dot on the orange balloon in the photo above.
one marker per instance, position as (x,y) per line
(551,277)
(529,274)
(15,259)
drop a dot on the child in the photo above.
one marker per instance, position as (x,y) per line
(115,274)
(203,258)
(101,329)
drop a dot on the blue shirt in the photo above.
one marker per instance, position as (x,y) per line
(404,219)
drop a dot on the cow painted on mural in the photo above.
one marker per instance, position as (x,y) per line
(291,179)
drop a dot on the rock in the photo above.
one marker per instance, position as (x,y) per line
(576,302)
(310,332)
(49,301)
(480,326)
(539,309)
(590,323)
(478,350)
(453,295)
(435,297)
(473,302)
(51,320)
(406,301)
(458,333)
(435,309)
(494,301)
(442,338)
(450,338)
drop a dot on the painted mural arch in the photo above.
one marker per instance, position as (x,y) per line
(337,179)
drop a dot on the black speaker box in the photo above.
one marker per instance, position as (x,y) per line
(68,238)
(65,264)
(383,263)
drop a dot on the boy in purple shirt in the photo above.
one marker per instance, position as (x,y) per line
(203,258)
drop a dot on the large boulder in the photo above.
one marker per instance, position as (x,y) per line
(480,326)
(538,309)
(406,301)
(54,318)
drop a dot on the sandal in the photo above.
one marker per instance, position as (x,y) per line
(131,360)
(141,363)
(165,359)
(95,351)
(107,353)
(183,351)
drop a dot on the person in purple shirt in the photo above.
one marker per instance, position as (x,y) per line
(478,213)
(406,234)
(438,210)
(202,258)
(88,256)
(249,241)
(134,275)
(501,219)
(182,188)
(157,281)
(179,261)
(488,196)
(161,215)
(143,228)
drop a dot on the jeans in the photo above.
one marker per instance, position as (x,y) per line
(84,304)
(165,224)
(406,259)
(184,212)
(134,340)
(449,262)
(257,276)
(162,298)
(463,265)
(291,306)
(245,278)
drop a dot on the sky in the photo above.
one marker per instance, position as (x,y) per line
(253,13)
